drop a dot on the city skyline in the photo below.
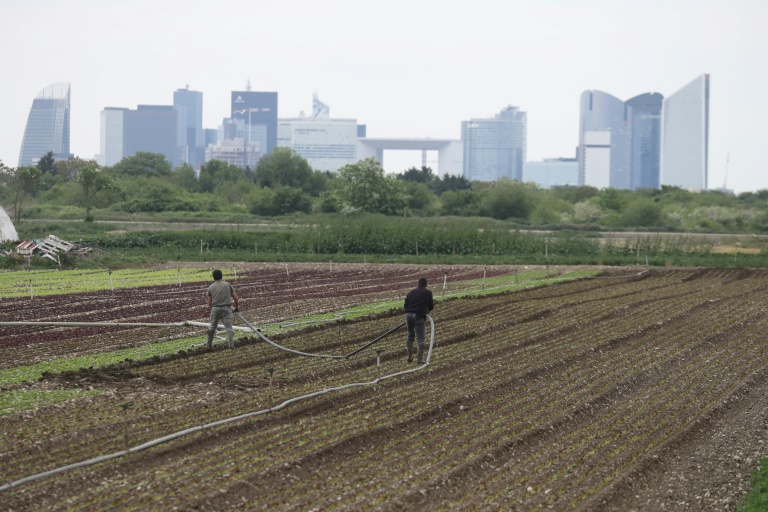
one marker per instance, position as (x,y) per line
(417,71)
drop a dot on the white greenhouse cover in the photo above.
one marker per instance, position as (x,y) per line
(7,231)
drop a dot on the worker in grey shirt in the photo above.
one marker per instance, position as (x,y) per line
(221,297)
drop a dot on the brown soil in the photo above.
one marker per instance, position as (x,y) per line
(648,393)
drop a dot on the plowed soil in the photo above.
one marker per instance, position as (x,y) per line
(630,391)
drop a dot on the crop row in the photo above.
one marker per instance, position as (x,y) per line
(517,396)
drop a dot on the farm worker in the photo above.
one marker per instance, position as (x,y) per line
(221,297)
(418,303)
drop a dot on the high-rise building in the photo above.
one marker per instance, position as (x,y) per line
(47,126)
(255,116)
(495,147)
(189,105)
(148,129)
(643,117)
(326,144)
(685,136)
(647,141)
(601,140)
(152,129)
(552,172)
(112,129)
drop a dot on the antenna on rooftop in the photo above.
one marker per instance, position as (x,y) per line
(248,84)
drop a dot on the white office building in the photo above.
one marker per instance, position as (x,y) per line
(552,172)
(685,136)
(326,144)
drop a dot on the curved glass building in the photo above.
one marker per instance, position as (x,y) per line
(601,143)
(47,126)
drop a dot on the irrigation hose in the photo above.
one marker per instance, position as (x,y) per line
(199,428)
(185,323)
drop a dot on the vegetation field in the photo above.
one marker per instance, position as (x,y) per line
(627,389)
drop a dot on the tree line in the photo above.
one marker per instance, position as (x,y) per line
(283,183)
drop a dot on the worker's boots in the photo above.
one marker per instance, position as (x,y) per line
(210,340)
(409,348)
(420,356)
(231,337)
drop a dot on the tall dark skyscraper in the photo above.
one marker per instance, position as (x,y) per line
(189,106)
(47,125)
(255,114)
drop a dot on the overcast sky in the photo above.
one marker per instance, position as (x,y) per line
(413,68)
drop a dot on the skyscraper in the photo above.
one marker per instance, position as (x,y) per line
(152,129)
(148,129)
(47,125)
(685,136)
(326,144)
(189,105)
(646,141)
(602,140)
(112,129)
(495,147)
(643,117)
(255,114)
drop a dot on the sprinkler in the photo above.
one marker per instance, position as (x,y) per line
(126,406)
(378,363)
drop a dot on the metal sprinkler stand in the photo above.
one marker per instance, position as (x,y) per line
(126,406)
(378,362)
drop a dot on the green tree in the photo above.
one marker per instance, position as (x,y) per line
(508,199)
(449,182)
(574,194)
(611,199)
(366,188)
(68,169)
(420,198)
(47,163)
(143,164)
(215,172)
(93,182)
(184,176)
(284,167)
(281,201)
(21,182)
(464,203)
(423,175)
(642,212)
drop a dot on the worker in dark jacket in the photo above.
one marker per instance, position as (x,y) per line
(418,303)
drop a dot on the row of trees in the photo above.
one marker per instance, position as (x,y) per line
(284,183)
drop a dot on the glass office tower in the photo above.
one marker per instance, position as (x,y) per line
(495,147)
(685,136)
(47,126)
(189,105)
(255,115)
(152,129)
(643,118)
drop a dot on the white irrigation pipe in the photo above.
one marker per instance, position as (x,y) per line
(280,347)
(200,428)
(185,323)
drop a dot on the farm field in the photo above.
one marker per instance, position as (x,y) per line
(625,391)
